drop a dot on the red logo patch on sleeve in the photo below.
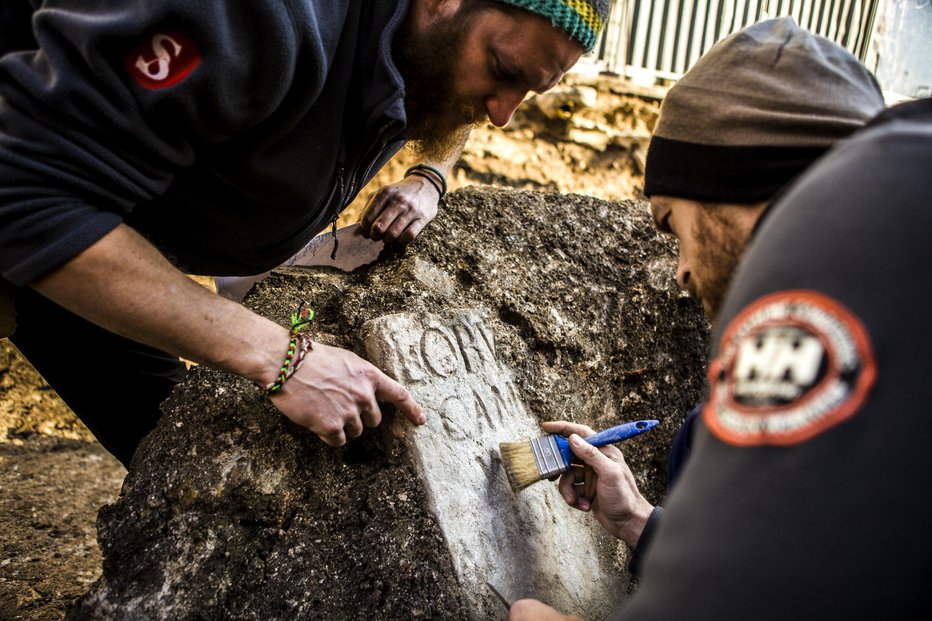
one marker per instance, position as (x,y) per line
(790,366)
(162,60)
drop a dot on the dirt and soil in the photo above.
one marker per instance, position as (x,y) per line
(589,138)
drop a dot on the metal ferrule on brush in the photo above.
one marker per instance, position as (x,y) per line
(548,457)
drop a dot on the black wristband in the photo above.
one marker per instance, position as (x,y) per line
(419,169)
(429,180)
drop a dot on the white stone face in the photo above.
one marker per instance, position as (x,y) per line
(528,544)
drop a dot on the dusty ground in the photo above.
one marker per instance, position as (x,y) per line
(54,476)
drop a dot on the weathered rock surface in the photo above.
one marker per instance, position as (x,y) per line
(512,308)
(523,543)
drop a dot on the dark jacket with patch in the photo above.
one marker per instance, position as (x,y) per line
(807,493)
(226,132)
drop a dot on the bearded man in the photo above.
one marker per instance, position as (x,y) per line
(141,141)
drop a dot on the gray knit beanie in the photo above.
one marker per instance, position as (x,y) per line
(755,111)
(582,20)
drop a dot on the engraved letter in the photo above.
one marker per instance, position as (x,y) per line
(440,352)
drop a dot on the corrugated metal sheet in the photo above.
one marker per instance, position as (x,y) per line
(665,38)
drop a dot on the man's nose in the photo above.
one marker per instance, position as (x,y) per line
(502,105)
(683,273)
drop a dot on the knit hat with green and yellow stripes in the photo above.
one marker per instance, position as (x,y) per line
(582,20)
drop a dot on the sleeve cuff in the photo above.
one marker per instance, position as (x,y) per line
(644,542)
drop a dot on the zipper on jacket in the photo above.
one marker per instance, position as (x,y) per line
(336,241)
(336,215)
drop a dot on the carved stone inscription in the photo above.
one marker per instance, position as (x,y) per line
(527,544)
(453,365)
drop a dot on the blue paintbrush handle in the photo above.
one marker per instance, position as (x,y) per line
(607,436)
(621,432)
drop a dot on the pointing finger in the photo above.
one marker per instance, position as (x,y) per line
(389,390)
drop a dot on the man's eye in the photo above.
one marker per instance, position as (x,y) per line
(504,74)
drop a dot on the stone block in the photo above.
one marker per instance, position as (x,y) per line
(526,544)
(511,308)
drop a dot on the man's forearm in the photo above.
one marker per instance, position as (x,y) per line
(125,285)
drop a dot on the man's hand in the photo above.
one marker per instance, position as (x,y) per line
(603,484)
(533,610)
(335,394)
(124,284)
(399,211)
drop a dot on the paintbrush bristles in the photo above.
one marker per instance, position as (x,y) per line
(520,465)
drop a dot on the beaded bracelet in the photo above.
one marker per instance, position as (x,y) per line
(298,347)
(417,170)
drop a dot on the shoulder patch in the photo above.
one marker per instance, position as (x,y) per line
(790,366)
(162,60)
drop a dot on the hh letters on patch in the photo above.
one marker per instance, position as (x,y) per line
(790,366)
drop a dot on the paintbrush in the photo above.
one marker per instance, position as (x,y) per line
(546,457)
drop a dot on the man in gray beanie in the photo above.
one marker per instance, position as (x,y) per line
(141,141)
(756,111)
(753,113)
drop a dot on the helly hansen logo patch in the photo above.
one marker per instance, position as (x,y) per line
(162,60)
(791,366)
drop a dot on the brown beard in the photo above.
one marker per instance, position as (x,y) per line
(717,258)
(427,63)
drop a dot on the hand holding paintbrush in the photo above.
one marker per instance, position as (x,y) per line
(543,458)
